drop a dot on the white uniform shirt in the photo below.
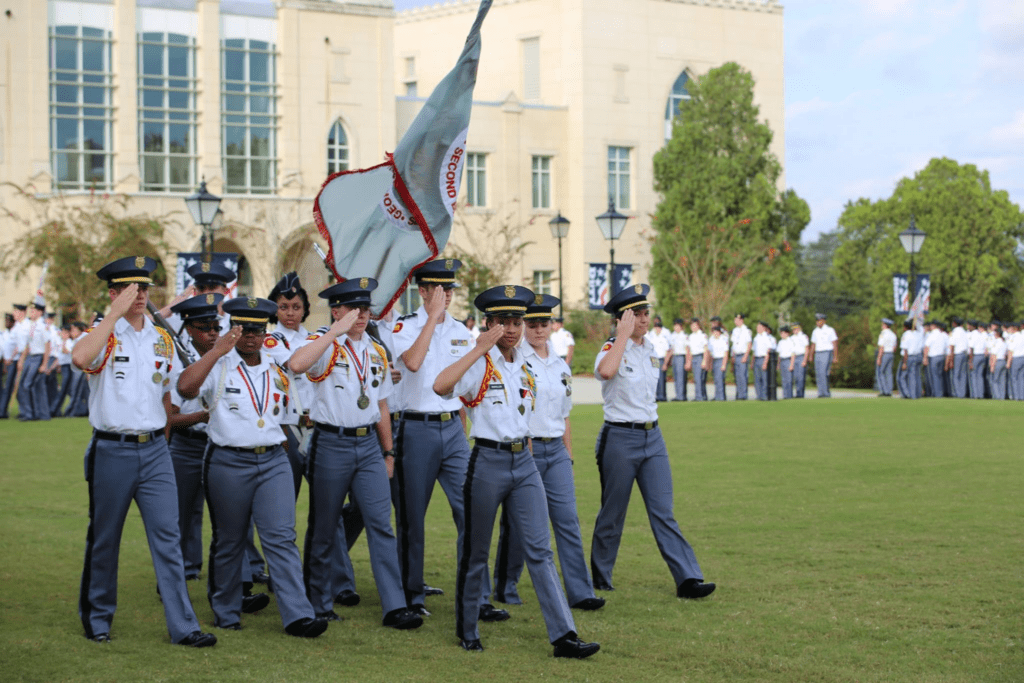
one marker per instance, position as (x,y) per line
(450,342)
(250,394)
(475,332)
(698,343)
(912,342)
(37,336)
(385,329)
(937,343)
(127,385)
(763,343)
(719,346)
(678,342)
(978,341)
(998,350)
(958,340)
(822,338)
(629,393)
(19,333)
(785,348)
(562,339)
(554,392)
(887,340)
(506,407)
(7,344)
(1015,345)
(740,337)
(660,341)
(800,343)
(63,350)
(280,344)
(186,405)
(337,393)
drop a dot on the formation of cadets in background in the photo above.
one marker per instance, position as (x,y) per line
(209,405)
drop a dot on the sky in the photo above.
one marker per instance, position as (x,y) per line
(876,88)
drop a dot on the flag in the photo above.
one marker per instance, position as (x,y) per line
(386,221)
(40,300)
(187,259)
(901,293)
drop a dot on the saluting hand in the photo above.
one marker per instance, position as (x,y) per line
(121,305)
(343,324)
(625,325)
(489,337)
(189,292)
(228,341)
(434,304)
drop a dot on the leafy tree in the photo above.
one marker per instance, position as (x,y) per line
(717,171)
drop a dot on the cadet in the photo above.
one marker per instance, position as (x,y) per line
(662,350)
(678,353)
(883,360)
(741,343)
(957,359)
(630,448)
(246,474)
(786,362)
(763,344)
(563,340)
(824,347)
(207,278)
(33,402)
(697,360)
(351,384)
(718,347)
(1015,359)
(128,361)
(551,438)
(977,349)
(800,345)
(997,366)
(497,385)
(935,347)
(11,354)
(61,364)
(909,376)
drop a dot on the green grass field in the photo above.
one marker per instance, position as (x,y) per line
(856,540)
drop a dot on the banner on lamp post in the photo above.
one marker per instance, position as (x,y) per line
(186,260)
(598,290)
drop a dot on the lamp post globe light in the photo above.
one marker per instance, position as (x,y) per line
(559,226)
(912,239)
(205,210)
(612,223)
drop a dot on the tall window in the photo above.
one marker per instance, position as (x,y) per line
(618,176)
(542,281)
(167,112)
(679,93)
(411,89)
(541,172)
(249,116)
(81,111)
(476,179)
(531,69)
(337,149)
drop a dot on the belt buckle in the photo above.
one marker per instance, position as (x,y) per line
(445,417)
(143,438)
(362,431)
(259,450)
(517,447)
(648,425)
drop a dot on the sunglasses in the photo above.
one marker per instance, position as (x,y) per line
(205,327)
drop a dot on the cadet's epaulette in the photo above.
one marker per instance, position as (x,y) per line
(406,317)
(323,329)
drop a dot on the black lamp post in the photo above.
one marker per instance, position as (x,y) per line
(612,223)
(559,230)
(912,239)
(205,210)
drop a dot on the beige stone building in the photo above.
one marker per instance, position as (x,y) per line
(264,98)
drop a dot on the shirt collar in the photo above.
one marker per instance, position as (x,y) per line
(234,359)
(527,351)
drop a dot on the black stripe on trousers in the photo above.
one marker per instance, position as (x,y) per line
(467,535)
(402,512)
(602,443)
(83,597)
(502,560)
(207,455)
(311,520)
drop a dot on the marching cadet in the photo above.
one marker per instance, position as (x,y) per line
(883,360)
(207,278)
(678,342)
(977,348)
(786,362)
(763,344)
(630,448)
(551,439)
(824,348)
(741,344)
(246,474)
(496,383)
(351,450)
(800,345)
(909,376)
(11,353)
(956,361)
(33,402)
(718,347)
(432,444)
(997,366)
(128,361)
(697,360)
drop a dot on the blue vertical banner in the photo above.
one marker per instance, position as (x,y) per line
(598,289)
(924,291)
(188,259)
(901,293)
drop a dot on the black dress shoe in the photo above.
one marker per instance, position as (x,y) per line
(347,598)
(306,627)
(572,647)
(603,587)
(471,645)
(232,627)
(260,577)
(589,604)
(490,614)
(198,639)
(430,590)
(192,577)
(420,610)
(403,619)
(254,603)
(693,589)
(101,638)
(329,616)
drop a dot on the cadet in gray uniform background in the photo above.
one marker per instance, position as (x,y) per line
(786,362)
(997,365)
(12,322)
(630,448)
(883,360)
(800,346)
(33,402)
(824,346)
(977,351)
(957,359)
(909,376)
(741,344)
(718,346)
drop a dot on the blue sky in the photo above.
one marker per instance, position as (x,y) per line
(876,88)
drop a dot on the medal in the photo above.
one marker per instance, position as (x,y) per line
(157,378)
(277,409)
(522,409)
(260,423)
(258,405)
(375,383)
(363,402)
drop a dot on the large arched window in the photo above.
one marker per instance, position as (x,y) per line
(337,149)
(675,98)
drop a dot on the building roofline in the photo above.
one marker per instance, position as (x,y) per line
(453,7)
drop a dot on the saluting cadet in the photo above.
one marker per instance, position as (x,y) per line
(246,474)
(187,420)
(763,344)
(741,344)
(786,362)
(128,361)
(718,347)
(977,348)
(551,439)
(10,357)
(956,361)
(563,340)
(678,353)
(909,376)
(351,450)
(824,347)
(698,360)
(800,346)
(935,348)
(630,448)
(883,360)
(432,444)
(207,278)
(1015,359)
(497,385)
(997,366)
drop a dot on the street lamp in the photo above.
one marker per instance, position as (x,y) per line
(559,230)
(912,239)
(205,210)
(612,223)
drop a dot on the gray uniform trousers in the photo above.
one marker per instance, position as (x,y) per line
(555,468)
(241,486)
(7,391)
(822,364)
(799,376)
(497,477)
(914,374)
(78,406)
(33,403)
(63,391)
(428,452)
(718,372)
(883,373)
(739,369)
(1017,378)
(937,376)
(787,377)
(700,379)
(625,455)
(977,381)
(997,381)
(338,463)
(679,376)
(760,379)
(958,376)
(187,457)
(119,472)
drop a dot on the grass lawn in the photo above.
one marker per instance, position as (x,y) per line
(852,540)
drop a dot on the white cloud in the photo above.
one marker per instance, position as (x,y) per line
(1010,133)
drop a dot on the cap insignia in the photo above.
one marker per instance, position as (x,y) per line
(140,262)
(639,289)
(449,264)
(209,299)
(538,300)
(510,291)
(364,282)
(252,303)
(205,267)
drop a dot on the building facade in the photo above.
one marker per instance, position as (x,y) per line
(263,99)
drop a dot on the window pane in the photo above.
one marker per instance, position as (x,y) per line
(234,103)
(179,142)
(259,104)
(153,137)
(153,60)
(94,133)
(93,32)
(233,65)
(177,100)
(66,168)
(411,89)
(92,55)
(153,172)
(259,145)
(236,174)
(92,95)
(234,140)
(177,38)
(67,134)
(623,199)
(261,173)
(95,168)
(152,98)
(258,67)
(65,30)
(65,53)
(177,61)
(66,93)
(180,172)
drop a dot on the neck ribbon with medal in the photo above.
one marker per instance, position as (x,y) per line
(363,402)
(260,408)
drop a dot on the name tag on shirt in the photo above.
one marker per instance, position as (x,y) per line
(121,359)
(232,390)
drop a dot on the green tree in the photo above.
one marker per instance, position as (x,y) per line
(717,171)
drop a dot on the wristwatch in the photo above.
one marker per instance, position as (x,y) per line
(389,453)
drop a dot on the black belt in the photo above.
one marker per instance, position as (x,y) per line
(128,438)
(258,450)
(634,425)
(546,439)
(192,434)
(512,446)
(428,417)
(345,431)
